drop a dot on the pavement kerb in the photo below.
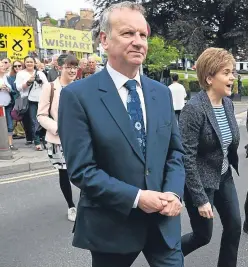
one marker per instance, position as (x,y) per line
(11,168)
(241,115)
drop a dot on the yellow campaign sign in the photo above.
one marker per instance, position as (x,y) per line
(25,35)
(15,50)
(67,39)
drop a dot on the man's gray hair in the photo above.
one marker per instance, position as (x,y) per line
(83,60)
(105,25)
(55,56)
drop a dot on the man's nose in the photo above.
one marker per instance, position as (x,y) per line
(137,40)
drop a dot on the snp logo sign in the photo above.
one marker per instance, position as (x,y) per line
(23,36)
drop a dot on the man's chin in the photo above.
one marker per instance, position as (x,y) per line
(136,62)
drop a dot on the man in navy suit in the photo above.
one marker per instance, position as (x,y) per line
(123,150)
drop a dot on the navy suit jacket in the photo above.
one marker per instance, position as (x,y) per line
(105,161)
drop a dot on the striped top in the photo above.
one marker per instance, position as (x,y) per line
(226,134)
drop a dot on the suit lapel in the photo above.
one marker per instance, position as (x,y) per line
(115,106)
(210,114)
(149,93)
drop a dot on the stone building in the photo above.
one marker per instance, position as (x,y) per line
(20,18)
(12,13)
(31,18)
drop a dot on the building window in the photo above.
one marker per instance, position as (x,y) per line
(4,15)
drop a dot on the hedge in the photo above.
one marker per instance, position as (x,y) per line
(193,86)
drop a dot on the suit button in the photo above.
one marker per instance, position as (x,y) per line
(147,172)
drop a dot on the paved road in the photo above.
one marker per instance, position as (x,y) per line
(34,231)
(240,107)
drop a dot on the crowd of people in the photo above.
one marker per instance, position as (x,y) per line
(115,136)
(23,85)
(24,80)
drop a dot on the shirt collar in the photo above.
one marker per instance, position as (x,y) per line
(120,79)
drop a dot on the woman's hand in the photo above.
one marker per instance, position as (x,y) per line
(31,80)
(206,211)
(4,87)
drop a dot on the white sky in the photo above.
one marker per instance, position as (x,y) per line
(58,8)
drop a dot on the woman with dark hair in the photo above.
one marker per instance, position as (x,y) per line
(29,83)
(48,116)
(210,137)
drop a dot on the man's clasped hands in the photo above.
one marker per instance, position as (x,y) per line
(165,203)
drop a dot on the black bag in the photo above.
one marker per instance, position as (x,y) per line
(22,104)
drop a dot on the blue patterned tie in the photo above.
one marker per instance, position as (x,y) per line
(135,112)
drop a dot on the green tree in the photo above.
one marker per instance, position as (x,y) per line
(219,23)
(52,21)
(196,24)
(159,55)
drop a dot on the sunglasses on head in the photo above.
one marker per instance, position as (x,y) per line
(17,66)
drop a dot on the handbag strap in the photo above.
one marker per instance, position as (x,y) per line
(51,97)
(32,84)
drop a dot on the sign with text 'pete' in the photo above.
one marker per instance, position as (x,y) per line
(17,54)
(67,39)
(25,39)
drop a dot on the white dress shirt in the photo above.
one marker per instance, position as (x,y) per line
(119,81)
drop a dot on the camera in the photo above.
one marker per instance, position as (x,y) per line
(38,79)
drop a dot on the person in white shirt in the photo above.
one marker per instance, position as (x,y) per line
(7,65)
(5,100)
(178,94)
(29,83)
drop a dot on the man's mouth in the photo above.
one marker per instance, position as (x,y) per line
(137,52)
(230,86)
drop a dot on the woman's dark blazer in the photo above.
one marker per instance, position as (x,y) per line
(202,142)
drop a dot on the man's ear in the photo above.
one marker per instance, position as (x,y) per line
(104,40)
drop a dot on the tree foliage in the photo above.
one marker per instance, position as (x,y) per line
(219,23)
(196,24)
(159,55)
(52,21)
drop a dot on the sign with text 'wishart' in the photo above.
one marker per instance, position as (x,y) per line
(67,39)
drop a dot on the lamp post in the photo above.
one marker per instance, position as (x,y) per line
(5,152)
(186,68)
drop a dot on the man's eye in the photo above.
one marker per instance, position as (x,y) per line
(129,33)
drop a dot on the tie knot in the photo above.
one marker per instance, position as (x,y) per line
(131,85)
